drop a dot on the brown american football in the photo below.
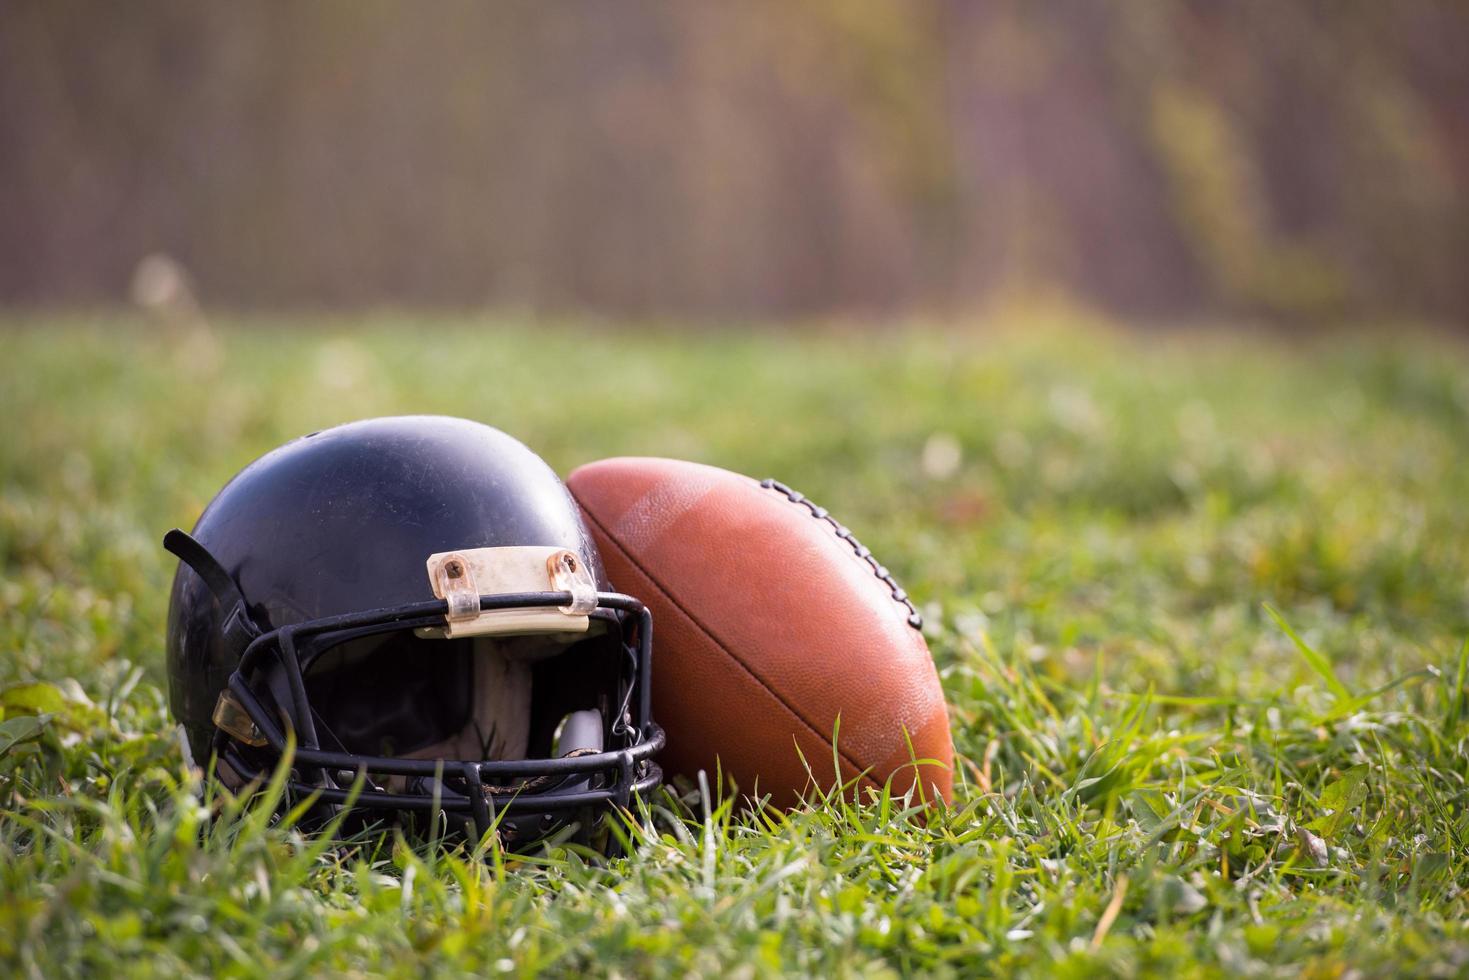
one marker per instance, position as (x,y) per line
(770,621)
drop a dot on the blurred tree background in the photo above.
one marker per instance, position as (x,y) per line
(1294,161)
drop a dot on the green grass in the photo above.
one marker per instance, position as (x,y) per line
(1199,603)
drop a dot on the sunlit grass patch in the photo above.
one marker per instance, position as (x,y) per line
(1199,607)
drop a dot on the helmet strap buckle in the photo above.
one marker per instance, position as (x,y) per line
(454,580)
(569,574)
(231,718)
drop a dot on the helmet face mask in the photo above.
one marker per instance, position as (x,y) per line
(509,688)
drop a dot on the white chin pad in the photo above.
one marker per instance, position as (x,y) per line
(581,730)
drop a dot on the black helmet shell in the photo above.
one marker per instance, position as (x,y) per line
(342,521)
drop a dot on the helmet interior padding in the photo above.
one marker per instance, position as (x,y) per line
(481,698)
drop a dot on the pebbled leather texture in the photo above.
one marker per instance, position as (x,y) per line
(767,626)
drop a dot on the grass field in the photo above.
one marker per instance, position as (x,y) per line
(1159,775)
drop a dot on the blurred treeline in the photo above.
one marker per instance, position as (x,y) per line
(1157,158)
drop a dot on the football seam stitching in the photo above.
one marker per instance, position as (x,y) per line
(899,594)
(862,771)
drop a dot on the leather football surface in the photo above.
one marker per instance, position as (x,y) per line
(769,623)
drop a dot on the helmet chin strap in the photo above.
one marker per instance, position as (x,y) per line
(238,628)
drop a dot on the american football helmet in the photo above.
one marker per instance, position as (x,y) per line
(418,602)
